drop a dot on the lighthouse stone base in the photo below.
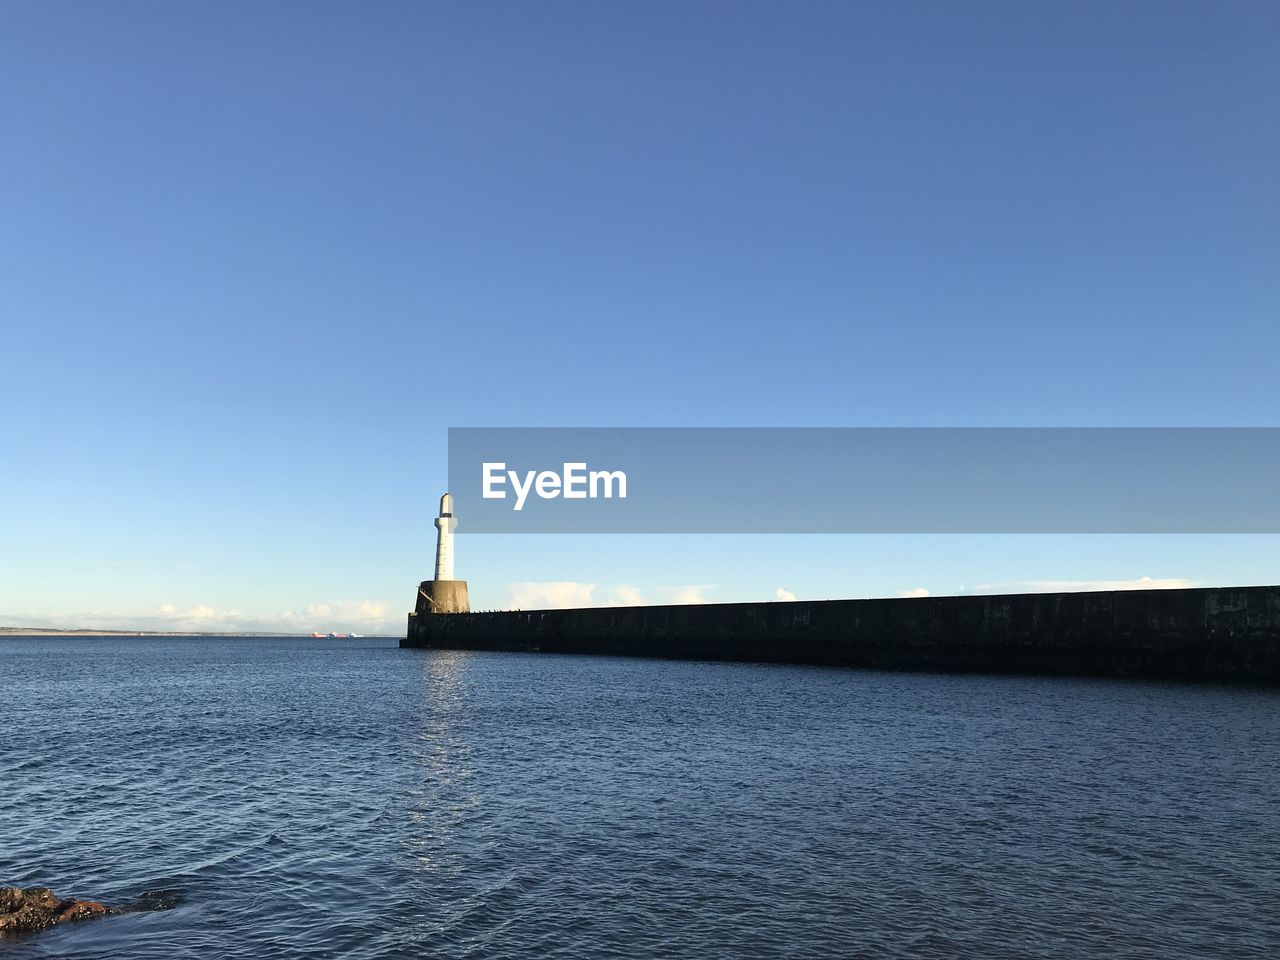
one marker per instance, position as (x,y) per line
(442,596)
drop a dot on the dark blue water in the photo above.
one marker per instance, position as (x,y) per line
(312,798)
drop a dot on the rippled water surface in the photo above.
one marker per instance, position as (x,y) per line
(317,798)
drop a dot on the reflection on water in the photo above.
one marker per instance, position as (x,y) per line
(444,794)
(314,798)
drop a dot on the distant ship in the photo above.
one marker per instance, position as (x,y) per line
(333,636)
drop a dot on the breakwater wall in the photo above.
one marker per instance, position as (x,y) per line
(1208,634)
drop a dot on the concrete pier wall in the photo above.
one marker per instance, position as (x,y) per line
(1210,634)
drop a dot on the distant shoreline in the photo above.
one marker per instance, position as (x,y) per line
(50,632)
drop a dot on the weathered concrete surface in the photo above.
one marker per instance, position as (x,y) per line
(442,596)
(25,911)
(1209,634)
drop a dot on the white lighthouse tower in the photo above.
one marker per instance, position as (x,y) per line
(445,524)
(442,593)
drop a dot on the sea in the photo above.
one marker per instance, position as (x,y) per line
(267,797)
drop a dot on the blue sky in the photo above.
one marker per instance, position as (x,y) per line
(256,258)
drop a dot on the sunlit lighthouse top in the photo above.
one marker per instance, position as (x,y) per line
(445,524)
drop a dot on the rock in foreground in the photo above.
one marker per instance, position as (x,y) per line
(25,911)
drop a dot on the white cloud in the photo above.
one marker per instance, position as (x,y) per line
(349,613)
(1080,586)
(549,595)
(340,616)
(783,593)
(916,592)
(689,594)
(563,594)
(623,595)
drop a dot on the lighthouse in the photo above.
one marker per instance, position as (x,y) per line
(442,593)
(444,539)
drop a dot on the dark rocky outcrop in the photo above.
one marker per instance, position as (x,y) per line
(32,909)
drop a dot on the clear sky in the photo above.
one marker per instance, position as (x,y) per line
(255,258)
